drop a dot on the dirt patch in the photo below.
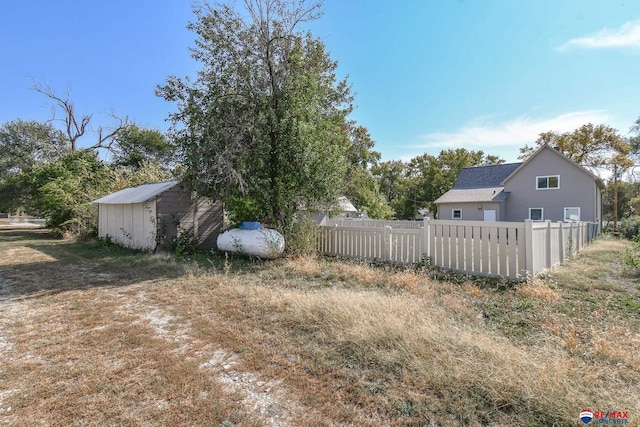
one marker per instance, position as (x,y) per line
(73,328)
(265,400)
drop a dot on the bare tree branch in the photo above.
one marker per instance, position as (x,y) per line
(73,128)
(76,127)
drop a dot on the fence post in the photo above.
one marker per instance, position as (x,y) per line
(574,242)
(386,239)
(579,237)
(548,245)
(527,245)
(561,253)
(426,238)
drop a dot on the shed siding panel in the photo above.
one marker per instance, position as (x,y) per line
(149,221)
(128,229)
(139,229)
(209,220)
(173,213)
(102,220)
(178,213)
(112,225)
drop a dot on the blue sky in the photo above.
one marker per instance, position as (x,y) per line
(428,75)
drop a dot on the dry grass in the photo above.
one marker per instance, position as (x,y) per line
(99,336)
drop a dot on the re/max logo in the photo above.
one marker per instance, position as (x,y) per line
(611,414)
(610,417)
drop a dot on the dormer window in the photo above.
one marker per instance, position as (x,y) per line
(550,182)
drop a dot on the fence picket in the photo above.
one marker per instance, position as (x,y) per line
(468,243)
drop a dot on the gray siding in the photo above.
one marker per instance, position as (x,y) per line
(177,212)
(470,211)
(577,189)
(210,222)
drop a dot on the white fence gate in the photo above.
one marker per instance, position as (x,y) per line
(506,249)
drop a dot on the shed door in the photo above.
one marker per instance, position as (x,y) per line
(490,215)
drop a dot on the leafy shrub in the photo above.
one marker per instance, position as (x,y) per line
(632,255)
(104,242)
(630,226)
(63,190)
(184,244)
(300,236)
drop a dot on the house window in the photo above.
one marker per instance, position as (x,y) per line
(572,214)
(536,214)
(456,213)
(547,182)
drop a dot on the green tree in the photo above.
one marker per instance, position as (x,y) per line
(595,146)
(390,177)
(62,190)
(634,142)
(265,119)
(428,177)
(628,203)
(635,131)
(137,146)
(25,145)
(361,186)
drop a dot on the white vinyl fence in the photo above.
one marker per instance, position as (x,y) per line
(360,222)
(506,249)
(374,243)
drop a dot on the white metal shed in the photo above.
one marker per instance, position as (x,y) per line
(149,215)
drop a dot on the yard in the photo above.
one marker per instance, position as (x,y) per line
(91,334)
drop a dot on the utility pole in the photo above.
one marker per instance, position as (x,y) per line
(615,198)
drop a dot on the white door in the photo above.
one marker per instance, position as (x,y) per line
(490,215)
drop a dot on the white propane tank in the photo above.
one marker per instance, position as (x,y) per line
(251,239)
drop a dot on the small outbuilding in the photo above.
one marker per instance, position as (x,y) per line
(150,216)
(347,209)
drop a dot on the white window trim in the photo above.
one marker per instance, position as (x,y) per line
(548,176)
(572,207)
(541,214)
(453,213)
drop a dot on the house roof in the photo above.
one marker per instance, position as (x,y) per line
(345,205)
(138,194)
(485,176)
(467,195)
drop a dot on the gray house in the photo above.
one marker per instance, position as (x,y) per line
(547,186)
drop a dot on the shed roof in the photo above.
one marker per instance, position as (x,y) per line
(138,194)
(484,176)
